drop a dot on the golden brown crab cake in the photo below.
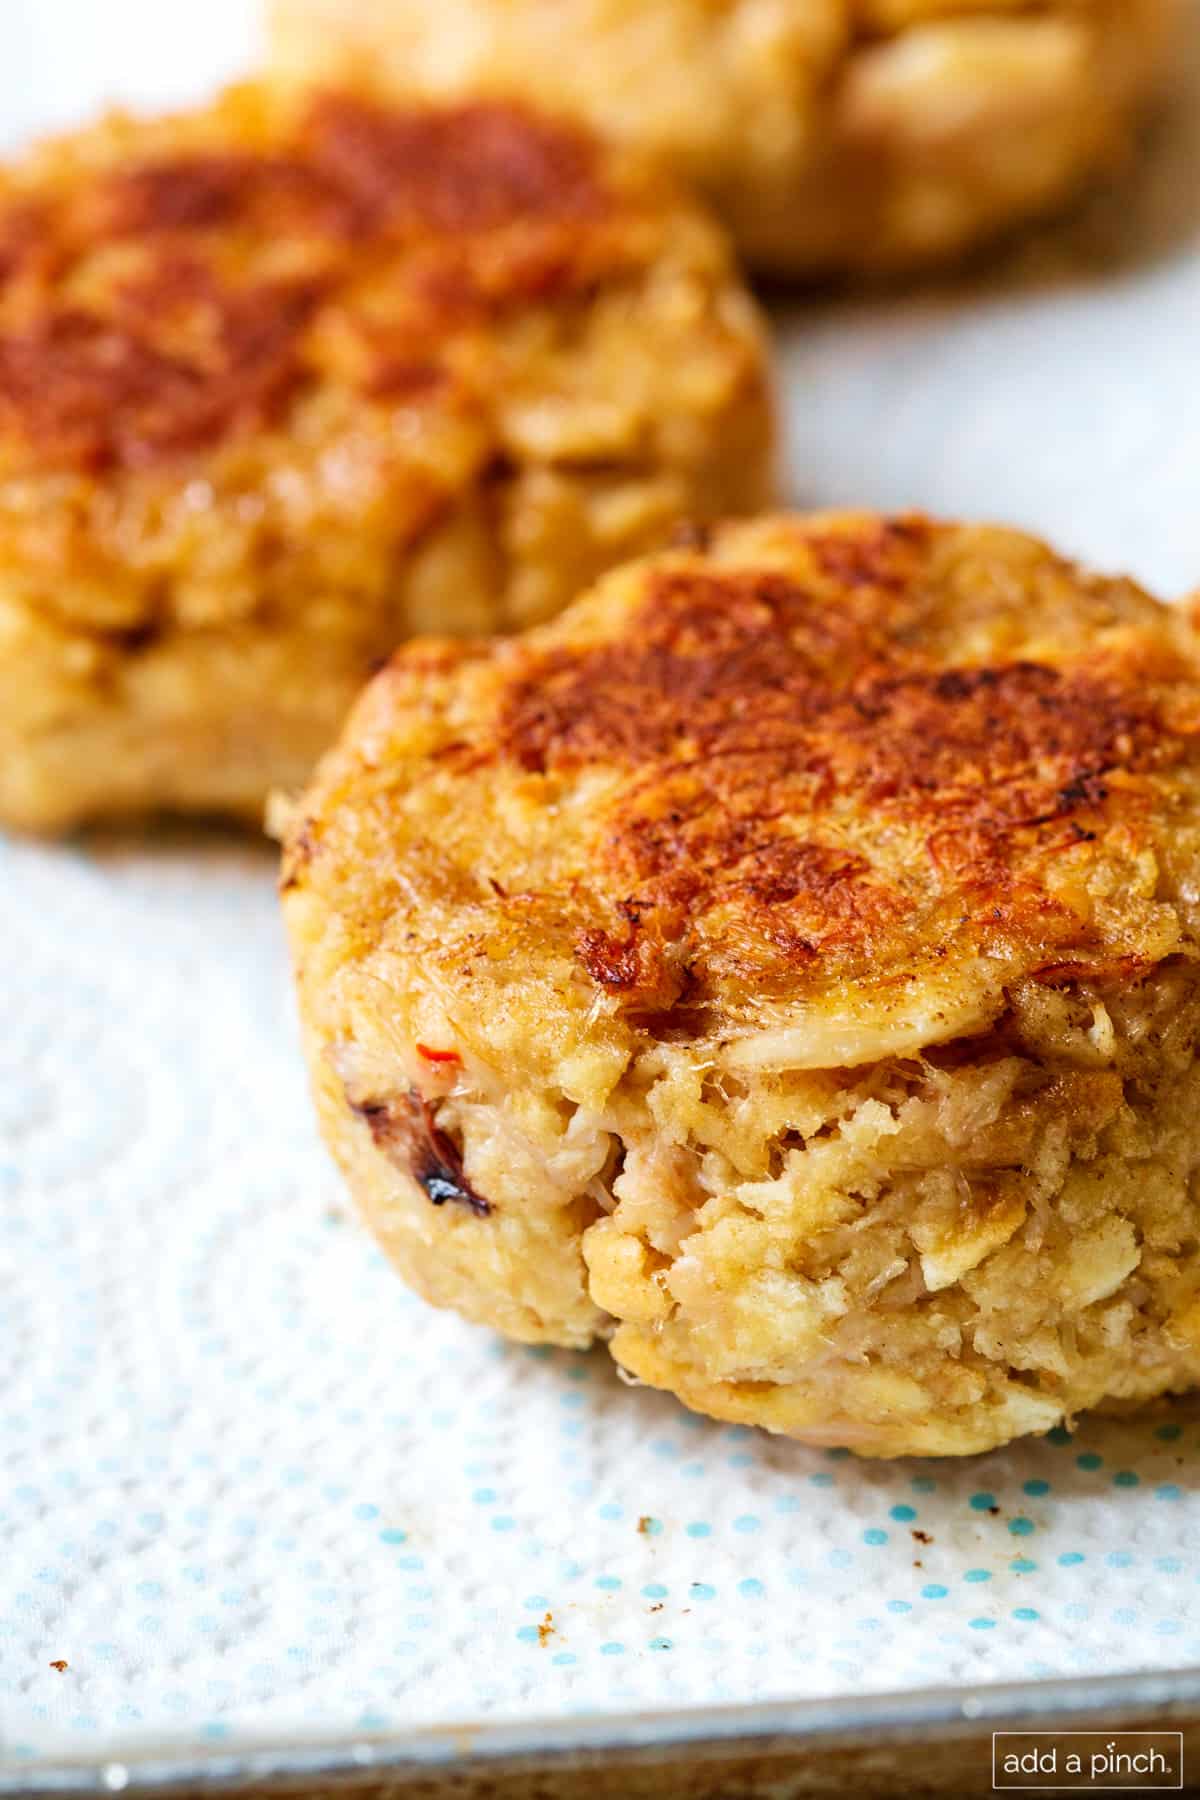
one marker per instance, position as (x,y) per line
(831,134)
(288,379)
(784,967)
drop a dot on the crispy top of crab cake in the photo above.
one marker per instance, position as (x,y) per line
(171,285)
(297,327)
(289,379)
(814,792)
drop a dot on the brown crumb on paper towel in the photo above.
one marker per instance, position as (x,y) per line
(545,1630)
(60,1665)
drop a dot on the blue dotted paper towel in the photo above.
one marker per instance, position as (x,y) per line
(251,1488)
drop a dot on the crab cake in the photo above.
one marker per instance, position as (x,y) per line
(784,967)
(832,134)
(288,379)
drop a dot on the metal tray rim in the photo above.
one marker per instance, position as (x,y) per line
(797,1725)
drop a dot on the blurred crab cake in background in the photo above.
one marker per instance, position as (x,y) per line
(831,134)
(784,967)
(287,379)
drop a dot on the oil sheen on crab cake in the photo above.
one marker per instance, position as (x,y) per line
(782,967)
(287,379)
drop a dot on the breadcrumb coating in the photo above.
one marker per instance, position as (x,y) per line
(864,135)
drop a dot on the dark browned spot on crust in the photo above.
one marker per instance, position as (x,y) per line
(707,651)
(299,848)
(404,1128)
(882,558)
(642,960)
(26,241)
(462,209)
(471,168)
(210,192)
(97,395)
(358,170)
(393,376)
(772,726)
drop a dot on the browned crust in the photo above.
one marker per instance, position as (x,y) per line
(183,340)
(771,726)
(93,392)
